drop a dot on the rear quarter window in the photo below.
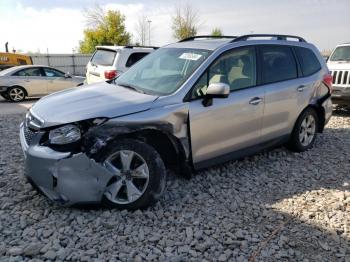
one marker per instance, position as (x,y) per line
(135,57)
(103,57)
(308,61)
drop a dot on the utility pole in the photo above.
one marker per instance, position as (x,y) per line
(149,32)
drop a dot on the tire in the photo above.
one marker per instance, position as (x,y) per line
(304,132)
(5,96)
(16,94)
(146,172)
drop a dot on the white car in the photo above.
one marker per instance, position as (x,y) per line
(19,82)
(110,61)
(339,65)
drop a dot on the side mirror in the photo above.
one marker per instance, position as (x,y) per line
(67,75)
(215,90)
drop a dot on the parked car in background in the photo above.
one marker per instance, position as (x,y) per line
(339,65)
(110,61)
(187,106)
(17,83)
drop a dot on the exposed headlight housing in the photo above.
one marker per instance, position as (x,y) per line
(65,135)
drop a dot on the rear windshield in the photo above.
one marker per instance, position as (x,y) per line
(341,53)
(103,57)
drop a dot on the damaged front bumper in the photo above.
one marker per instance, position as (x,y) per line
(63,177)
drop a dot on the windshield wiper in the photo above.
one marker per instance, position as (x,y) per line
(131,87)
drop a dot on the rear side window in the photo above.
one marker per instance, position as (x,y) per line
(277,64)
(29,72)
(103,57)
(308,61)
(135,57)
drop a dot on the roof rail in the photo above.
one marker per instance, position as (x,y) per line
(140,46)
(205,36)
(279,37)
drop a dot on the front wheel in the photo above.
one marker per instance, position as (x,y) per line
(16,94)
(138,172)
(305,131)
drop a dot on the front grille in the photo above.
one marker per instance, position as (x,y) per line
(341,77)
(28,134)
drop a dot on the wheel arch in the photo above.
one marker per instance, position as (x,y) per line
(25,90)
(171,149)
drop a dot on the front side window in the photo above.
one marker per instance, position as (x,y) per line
(163,71)
(53,73)
(103,57)
(277,64)
(308,61)
(29,72)
(341,53)
(236,68)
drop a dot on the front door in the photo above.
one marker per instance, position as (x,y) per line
(232,123)
(56,80)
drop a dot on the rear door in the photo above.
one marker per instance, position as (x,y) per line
(101,61)
(232,123)
(279,76)
(32,79)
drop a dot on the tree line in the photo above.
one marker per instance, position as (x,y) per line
(108,27)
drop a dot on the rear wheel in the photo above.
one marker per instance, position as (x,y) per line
(16,93)
(138,175)
(305,131)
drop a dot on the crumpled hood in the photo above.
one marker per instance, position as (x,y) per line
(90,101)
(341,65)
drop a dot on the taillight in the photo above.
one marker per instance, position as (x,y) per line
(328,81)
(110,74)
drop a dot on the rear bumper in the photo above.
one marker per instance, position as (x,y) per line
(64,178)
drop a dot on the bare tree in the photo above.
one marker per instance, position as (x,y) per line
(142,29)
(94,16)
(185,22)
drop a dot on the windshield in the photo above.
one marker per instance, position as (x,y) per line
(163,71)
(5,71)
(341,53)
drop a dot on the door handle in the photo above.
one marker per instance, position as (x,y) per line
(255,101)
(301,88)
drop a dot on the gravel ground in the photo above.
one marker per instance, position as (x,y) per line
(275,206)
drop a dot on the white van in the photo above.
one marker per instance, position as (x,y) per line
(110,61)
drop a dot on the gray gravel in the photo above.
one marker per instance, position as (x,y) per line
(275,206)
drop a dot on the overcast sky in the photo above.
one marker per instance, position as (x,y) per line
(33,25)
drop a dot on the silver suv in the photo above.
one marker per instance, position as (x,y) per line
(189,105)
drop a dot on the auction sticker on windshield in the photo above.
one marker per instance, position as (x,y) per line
(190,56)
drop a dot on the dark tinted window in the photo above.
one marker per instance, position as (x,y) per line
(21,61)
(278,64)
(52,72)
(29,72)
(103,57)
(134,57)
(308,61)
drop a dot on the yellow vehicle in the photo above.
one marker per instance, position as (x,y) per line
(12,59)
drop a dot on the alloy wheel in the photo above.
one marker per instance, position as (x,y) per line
(131,177)
(16,94)
(307,130)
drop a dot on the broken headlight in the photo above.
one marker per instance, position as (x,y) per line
(65,135)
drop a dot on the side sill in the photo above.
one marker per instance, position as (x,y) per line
(239,154)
